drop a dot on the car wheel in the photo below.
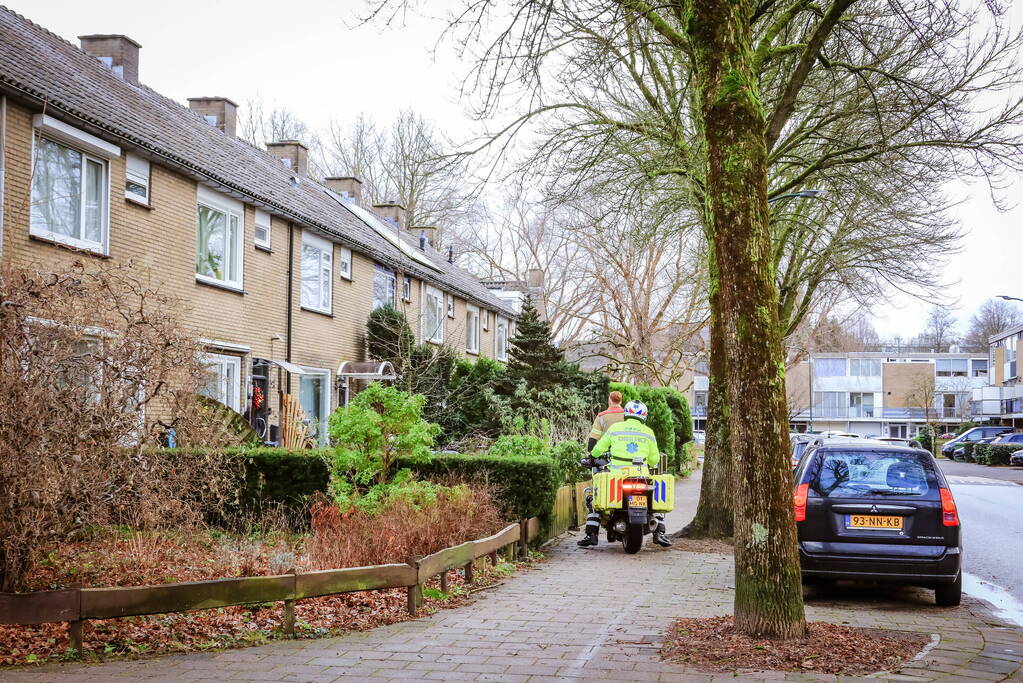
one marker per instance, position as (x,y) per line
(949,594)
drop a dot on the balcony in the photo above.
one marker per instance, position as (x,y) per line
(698,411)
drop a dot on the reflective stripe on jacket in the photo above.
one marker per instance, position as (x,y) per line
(605,419)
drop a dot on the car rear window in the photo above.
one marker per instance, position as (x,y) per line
(869,474)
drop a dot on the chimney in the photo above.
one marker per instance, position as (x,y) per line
(429,232)
(349,187)
(392,212)
(293,154)
(218,111)
(120,53)
(534,278)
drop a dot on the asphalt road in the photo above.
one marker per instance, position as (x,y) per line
(990,503)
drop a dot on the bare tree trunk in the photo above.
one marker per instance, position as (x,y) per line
(768,590)
(714,514)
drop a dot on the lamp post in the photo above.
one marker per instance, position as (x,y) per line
(1003,296)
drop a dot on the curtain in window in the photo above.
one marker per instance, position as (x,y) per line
(829,367)
(57,189)
(211,249)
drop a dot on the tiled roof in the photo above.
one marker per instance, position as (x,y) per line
(78,88)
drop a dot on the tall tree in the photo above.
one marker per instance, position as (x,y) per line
(993,316)
(533,356)
(940,331)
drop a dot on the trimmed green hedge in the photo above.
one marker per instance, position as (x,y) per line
(527,485)
(994,454)
(967,455)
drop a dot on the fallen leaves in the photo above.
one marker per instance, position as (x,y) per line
(712,644)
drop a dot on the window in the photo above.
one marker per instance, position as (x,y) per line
(224,380)
(69,196)
(383,286)
(344,264)
(406,288)
(956,367)
(433,315)
(316,272)
(829,367)
(864,367)
(451,305)
(486,320)
(861,405)
(218,251)
(501,340)
(979,367)
(472,329)
(262,229)
(136,182)
(314,396)
(829,404)
(871,474)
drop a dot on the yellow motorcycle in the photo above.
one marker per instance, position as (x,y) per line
(626,498)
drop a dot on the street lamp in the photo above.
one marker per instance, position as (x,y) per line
(806,194)
(1009,298)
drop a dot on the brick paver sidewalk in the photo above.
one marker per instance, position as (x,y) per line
(545,625)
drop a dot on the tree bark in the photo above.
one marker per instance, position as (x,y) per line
(768,590)
(714,513)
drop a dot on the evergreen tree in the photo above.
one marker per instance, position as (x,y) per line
(533,356)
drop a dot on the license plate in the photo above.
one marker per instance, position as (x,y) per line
(873,522)
(637,501)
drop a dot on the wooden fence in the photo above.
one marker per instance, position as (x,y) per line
(77,605)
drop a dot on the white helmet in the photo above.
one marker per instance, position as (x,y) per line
(636,409)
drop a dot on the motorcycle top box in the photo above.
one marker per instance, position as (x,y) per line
(625,489)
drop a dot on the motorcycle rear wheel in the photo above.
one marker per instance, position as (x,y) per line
(632,541)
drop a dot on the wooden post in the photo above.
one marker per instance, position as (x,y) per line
(289,618)
(415,598)
(524,538)
(573,517)
(468,572)
(76,628)
(444,581)
(509,552)
(493,559)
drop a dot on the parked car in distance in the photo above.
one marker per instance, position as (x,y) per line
(897,441)
(1016,458)
(947,435)
(972,435)
(845,435)
(700,436)
(1012,437)
(870,511)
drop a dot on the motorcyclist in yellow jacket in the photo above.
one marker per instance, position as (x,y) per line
(624,442)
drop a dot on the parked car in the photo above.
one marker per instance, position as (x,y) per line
(974,434)
(898,441)
(1011,437)
(870,511)
(947,435)
(1016,458)
(799,443)
(700,436)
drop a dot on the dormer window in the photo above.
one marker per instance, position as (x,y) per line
(136,183)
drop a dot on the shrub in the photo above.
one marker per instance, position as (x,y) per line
(967,455)
(680,415)
(403,528)
(630,392)
(473,406)
(525,486)
(513,445)
(659,419)
(925,438)
(994,454)
(380,425)
(567,455)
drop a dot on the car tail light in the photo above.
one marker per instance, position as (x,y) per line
(949,514)
(799,499)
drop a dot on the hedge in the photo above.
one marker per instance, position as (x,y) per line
(967,455)
(527,485)
(994,454)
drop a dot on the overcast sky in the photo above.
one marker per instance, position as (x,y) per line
(314,58)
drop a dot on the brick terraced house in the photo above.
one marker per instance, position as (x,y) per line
(280,271)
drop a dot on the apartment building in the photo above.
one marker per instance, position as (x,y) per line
(1001,398)
(280,272)
(881,393)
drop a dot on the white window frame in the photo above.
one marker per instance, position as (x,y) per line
(472,329)
(262,221)
(392,290)
(137,170)
(344,263)
(326,249)
(88,154)
(230,208)
(221,362)
(435,297)
(324,399)
(501,349)
(406,288)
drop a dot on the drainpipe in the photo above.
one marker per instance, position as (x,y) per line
(291,295)
(3,164)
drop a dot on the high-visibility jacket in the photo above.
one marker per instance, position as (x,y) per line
(605,419)
(626,440)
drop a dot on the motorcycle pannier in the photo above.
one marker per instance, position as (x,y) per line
(607,491)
